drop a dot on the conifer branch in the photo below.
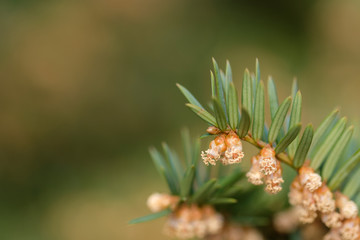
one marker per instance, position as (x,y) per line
(325,160)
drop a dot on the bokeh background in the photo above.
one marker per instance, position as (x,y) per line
(87,86)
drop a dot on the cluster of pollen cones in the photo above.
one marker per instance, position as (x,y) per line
(265,168)
(309,195)
(226,148)
(312,198)
(187,221)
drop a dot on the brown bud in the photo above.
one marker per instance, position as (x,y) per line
(213,130)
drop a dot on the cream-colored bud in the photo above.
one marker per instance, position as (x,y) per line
(216,149)
(154,202)
(214,223)
(234,154)
(160,201)
(274,181)
(349,210)
(305,215)
(273,185)
(309,179)
(255,177)
(332,219)
(211,155)
(267,162)
(267,165)
(312,181)
(308,200)
(324,199)
(350,229)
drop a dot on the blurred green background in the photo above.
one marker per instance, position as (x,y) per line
(87,86)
